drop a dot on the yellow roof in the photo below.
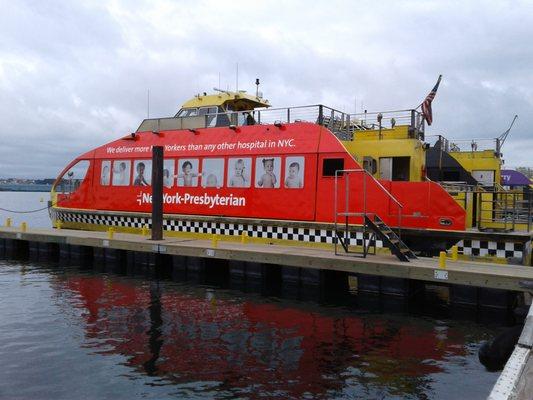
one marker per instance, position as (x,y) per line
(237,101)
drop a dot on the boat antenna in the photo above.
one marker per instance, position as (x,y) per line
(221,90)
(503,136)
(237,77)
(257,87)
(148,105)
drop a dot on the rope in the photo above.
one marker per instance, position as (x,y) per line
(24,212)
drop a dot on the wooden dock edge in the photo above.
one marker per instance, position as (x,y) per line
(482,275)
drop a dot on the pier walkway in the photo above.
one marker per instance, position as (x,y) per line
(478,274)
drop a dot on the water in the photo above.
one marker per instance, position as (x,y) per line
(68,332)
(25,201)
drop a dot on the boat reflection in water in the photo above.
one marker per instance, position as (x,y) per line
(247,344)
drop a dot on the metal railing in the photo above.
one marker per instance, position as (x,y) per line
(495,207)
(343,125)
(348,214)
(504,210)
(464,145)
(384,120)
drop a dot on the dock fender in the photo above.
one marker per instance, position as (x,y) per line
(495,353)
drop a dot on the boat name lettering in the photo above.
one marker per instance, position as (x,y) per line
(187,198)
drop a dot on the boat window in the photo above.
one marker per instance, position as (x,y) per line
(268,172)
(187,112)
(121,173)
(213,172)
(143,172)
(168,173)
(294,172)
(188,172)
(239,172)
(222,117)
(330,165)
(105,174)
(73,178)
(212,117)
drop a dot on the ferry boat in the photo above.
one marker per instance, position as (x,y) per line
(309,175)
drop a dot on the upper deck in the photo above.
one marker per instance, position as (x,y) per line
(346,126)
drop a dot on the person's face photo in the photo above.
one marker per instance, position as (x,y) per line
(239,169)
(140,169)
(269,165)
(211,181)
(187,168)
(293,172)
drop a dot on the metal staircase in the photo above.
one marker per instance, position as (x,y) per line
(389,238)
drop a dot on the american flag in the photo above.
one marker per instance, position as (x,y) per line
(426,104)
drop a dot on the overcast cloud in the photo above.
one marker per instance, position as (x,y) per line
(75,74)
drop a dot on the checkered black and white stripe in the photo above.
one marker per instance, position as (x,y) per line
(474,248)
(295,233)
(101,219)
(491,248)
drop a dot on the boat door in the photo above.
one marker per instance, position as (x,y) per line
(385,168)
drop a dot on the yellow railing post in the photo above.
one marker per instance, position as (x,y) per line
(455,253)
(8,222)
(244,237)
(144,230)
(110,232)
(23,226)
(442,259)
(214,240)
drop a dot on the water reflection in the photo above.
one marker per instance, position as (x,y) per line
(192,334)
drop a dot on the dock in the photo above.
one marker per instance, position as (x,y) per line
(459,272)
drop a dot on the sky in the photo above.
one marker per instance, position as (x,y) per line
(75,75)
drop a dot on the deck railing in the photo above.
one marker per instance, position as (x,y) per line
(495,207)
(464,145)
(343,125)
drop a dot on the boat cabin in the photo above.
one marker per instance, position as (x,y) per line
(223,108)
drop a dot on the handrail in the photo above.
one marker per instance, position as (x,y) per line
(347,213)
(375,180)
(340,122)
(366,173)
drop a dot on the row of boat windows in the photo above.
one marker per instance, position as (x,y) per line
(270,172)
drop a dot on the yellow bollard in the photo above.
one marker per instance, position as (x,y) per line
(110,233)
(442,259)
(58,224)
(455,253)
(144,230)
(8,222)
(214,240)
(23,226)
(244,237)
